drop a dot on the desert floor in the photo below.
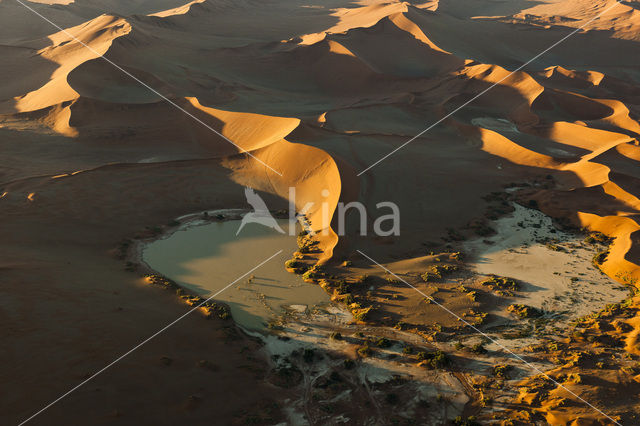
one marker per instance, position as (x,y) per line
(509,297)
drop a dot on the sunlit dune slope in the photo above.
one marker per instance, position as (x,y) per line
(351,84)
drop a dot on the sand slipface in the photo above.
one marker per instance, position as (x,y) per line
(304,95)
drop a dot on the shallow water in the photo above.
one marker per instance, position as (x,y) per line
(206,258)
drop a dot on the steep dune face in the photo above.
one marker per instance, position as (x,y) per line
(252,131)
(499,39)
(180,10)
(622,19)
(380,63)
(379,69)
(361,17)
(313,175)
(513,95)
(114,86)
(69,53)
(317,93)
(377,46)
(138,124)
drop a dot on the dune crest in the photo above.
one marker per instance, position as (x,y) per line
(180,10)
(360,17)
(316,180)
(68,54)
(250,131)
(619,17)
(408,104)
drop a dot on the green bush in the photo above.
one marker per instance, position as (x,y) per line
(600,258)
(437,359)
(500,283)
(524,311)
(438,271)
(383,342)
(478,348)
(597,238)
(400,325)
(291,264)
(364,351)
(501,371)
(361,279)
(362,315)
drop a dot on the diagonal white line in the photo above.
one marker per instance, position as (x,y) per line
(242,150)
(518,357)
(490,87)
(146,340)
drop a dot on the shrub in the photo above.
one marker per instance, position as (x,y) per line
(524,311)
(437,272)
(348,299)
(364,351)
(500,283)
(501,371)
(554,247)
(361,279)
(597,238)
(336,335)
(362,314)
(307,355)
(291,264)
(478,348)
(308,275)
(343,287)
(437,359)
(400,325)
(599,258)
(469,421)
(383,342)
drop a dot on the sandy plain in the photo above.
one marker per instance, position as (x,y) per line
(92,159)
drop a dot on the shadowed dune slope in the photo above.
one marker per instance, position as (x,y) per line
(319,92)
(377,70)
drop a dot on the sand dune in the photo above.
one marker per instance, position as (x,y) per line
(350,18)
(73,102)
(180,10)
(318,92)
(622,18)
(68,54)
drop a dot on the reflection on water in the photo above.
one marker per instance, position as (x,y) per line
(207,258)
